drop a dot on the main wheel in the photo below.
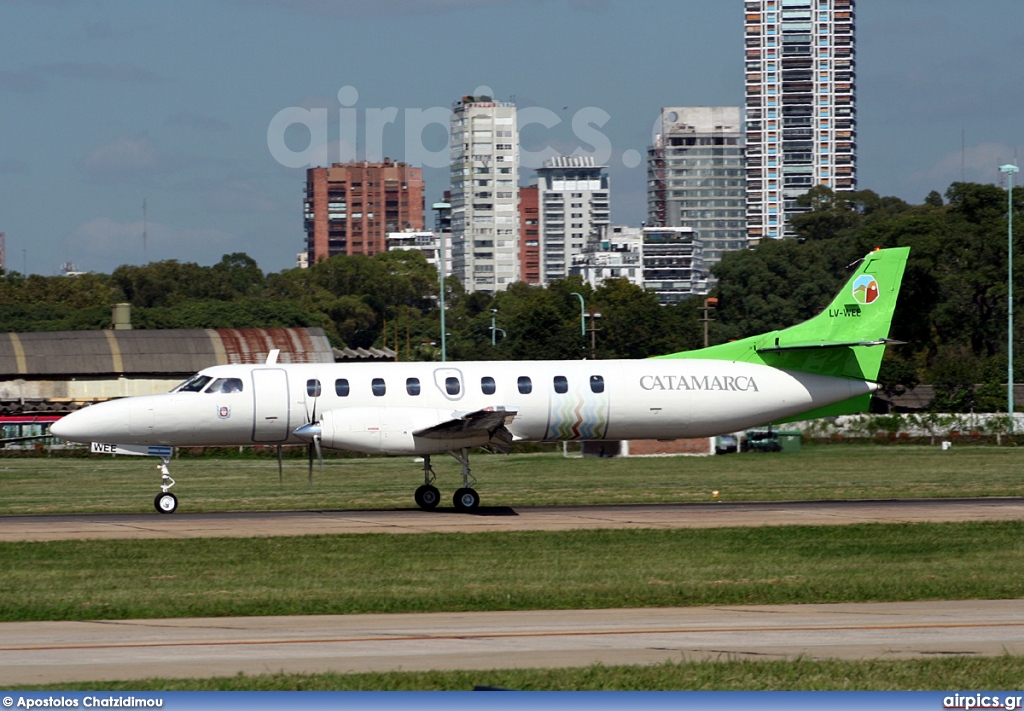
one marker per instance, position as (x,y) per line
(428,497)
(466,499)
(165,502)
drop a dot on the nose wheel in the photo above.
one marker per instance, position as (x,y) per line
(165,502)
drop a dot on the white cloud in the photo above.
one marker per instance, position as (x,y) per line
(34,78)
(200,122)
(124,159)
(12,166)
(241,197)
(975,164)
(104,243)
(121,71)
(362,8)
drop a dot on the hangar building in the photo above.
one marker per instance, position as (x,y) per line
(59,371)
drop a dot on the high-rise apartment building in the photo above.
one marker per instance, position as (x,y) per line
(673,260)
(485,193)
(618,256)
(351,207)
(801,108)
(529,235)
(433,245)
(574,211)
(696,176)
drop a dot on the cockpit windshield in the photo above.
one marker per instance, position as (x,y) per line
(194,384)
(225,385)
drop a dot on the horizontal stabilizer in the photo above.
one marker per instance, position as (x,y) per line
(825,344)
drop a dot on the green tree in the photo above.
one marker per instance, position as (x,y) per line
(954,373)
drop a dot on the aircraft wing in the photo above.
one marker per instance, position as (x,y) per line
(470,425)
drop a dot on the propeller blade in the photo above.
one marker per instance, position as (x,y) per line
(319,452)
(280,466)
(311,445)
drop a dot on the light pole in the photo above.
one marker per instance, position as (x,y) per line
(440,207)
(583,314)
(594,315)
(709,303)
(1009,170)
(495,329)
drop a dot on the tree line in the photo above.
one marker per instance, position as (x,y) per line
(952,310)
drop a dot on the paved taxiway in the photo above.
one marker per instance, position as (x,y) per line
(538,518)
(55,652)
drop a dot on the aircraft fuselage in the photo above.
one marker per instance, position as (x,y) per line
(373,407)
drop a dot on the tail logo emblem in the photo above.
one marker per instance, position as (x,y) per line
(865,289)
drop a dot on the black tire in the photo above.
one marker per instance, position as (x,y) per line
(166,503)
(466,500)
(428,497)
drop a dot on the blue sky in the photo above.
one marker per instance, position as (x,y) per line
(104,103)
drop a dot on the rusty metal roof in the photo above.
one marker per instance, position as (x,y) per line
(357,354)
(137,352)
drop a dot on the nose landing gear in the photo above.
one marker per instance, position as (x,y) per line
(165,502)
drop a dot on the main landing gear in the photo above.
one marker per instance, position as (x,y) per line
(465,499)
(165,502)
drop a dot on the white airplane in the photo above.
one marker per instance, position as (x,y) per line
(824,366)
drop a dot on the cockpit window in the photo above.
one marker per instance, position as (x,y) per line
(194,384)
(225,385)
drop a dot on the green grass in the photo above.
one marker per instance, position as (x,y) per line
(952,674)
(78,580)
(128,484)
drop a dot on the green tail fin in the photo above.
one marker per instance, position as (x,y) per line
(846,340)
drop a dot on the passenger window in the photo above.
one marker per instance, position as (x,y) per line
(452,386)
(412,386)
(487,385)
(561,384)
(313,387)
(341,387)
(597,383)
(525,385)
(225,385)
(379,388)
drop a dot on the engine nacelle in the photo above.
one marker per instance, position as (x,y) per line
(388,430)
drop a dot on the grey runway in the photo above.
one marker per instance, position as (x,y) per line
(540,518)
(55,652)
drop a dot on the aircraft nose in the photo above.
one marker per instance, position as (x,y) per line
(65,428)
(94,423)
